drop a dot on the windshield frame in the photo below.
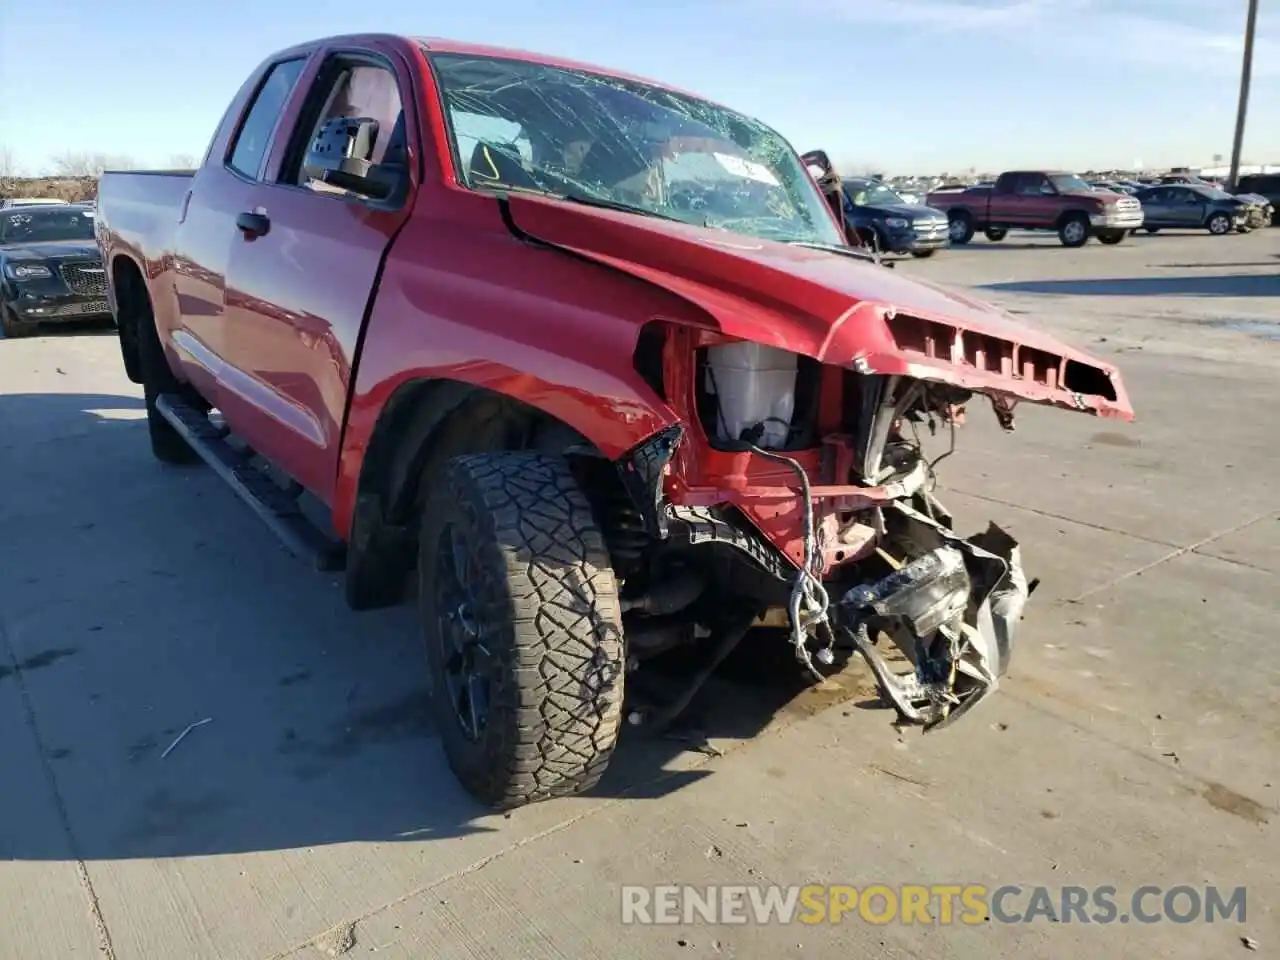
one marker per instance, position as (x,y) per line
(33,211)
(814,218)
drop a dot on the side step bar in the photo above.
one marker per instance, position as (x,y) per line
(277,508)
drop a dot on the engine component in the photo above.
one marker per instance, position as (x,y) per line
(667,596)
(929,592)
(755,388)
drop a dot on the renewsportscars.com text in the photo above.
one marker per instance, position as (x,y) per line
(941,904)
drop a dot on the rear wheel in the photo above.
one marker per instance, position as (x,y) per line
(1112,237)
(995,234)
(1219,224)
(1074,231)
(11,326)
(520,610)
(960,227)
(167,444)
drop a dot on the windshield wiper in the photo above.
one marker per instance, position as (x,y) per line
(856,252)
(589,201)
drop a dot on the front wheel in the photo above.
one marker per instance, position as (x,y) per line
(1074,231)
(1219,224)
(960,227)
(995,234)
(1112,237)
(523,627)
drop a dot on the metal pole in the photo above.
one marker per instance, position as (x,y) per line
(1246,73)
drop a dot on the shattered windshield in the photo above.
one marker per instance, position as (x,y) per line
(626,145)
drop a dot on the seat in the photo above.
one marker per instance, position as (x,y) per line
(493,165)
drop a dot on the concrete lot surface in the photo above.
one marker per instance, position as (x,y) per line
(1136,742)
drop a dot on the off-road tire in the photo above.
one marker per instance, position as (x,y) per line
(1112,237)
(546,605)
(167,444)
(960,228)
(995,234)
(1219,224)
(11,326)
(1072,238)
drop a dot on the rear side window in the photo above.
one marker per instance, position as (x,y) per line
(255,133)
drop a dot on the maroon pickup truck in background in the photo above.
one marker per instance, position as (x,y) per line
(588,360)
(1038,200)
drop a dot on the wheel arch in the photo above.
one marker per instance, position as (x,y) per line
(131,303)
(427,418)
(1074,213)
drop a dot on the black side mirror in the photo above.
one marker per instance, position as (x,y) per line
(340,155)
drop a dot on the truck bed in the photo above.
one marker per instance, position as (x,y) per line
(142,206)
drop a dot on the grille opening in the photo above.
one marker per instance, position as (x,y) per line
(1039,367)
(86,279)
(1082,378)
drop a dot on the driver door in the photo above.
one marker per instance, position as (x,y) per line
(1192,208)
(297,294)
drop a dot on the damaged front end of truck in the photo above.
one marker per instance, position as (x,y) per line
(799,490)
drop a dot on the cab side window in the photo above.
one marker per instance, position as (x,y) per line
(254,137)
(352,90)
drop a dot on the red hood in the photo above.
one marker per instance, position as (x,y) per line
(834,308)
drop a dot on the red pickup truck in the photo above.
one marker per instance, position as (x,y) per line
(1038,200)
(587,357)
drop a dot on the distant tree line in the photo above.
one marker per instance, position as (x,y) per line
(72,175)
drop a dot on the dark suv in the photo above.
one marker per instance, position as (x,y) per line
(1265,185)
(50,268)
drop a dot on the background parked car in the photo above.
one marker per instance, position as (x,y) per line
(50,267)
(1190,206)
(1265,185)
(884,220)
(1190,179)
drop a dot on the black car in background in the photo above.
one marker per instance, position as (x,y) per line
(1264,185)
(1192,206)
(886,222)
(50,268)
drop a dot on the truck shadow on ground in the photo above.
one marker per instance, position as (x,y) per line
(138,599)
(1218,285)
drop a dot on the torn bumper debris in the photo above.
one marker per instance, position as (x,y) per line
(951,612)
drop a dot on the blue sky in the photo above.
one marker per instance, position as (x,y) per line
(900,85)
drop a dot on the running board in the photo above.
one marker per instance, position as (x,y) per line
(276,507)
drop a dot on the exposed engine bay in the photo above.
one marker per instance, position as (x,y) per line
(799,495)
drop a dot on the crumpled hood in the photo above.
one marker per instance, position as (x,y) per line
(49,250)
(833,307)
